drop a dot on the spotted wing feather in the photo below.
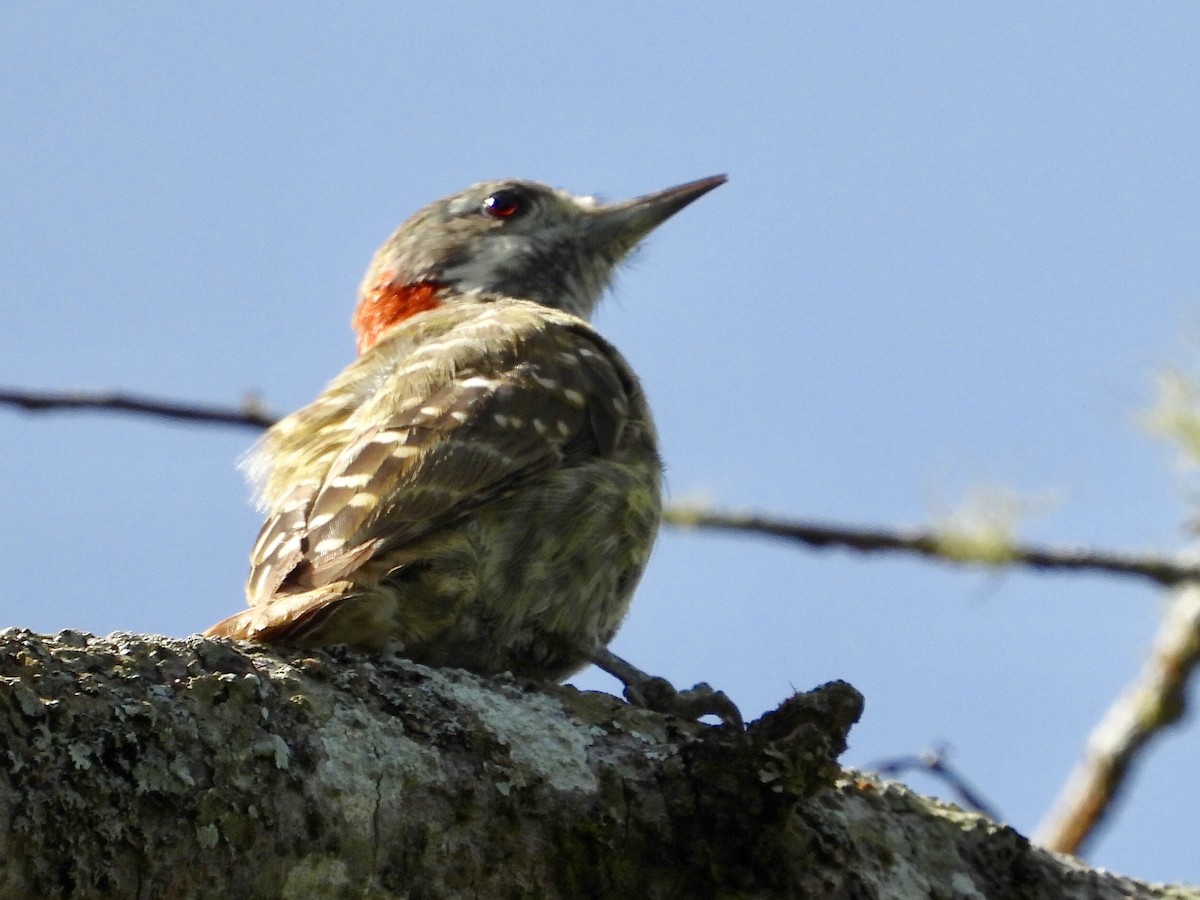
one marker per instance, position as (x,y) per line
(431,443)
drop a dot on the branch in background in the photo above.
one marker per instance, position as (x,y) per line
(937,763)
(251,414)
(944,544)
(1154,701)
(174,758)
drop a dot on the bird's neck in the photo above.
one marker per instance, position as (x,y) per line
(386,302)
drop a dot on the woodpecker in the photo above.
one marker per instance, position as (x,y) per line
(481,487)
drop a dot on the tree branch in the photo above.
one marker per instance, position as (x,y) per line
(937,764)
(250,415)
(1155,700)
(941,545)
(151,767)
(937,544)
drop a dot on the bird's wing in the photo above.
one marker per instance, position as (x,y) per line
(434,441)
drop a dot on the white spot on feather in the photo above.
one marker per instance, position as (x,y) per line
(351,481)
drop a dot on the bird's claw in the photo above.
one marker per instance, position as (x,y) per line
(659,695)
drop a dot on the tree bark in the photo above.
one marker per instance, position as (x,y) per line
(144,767)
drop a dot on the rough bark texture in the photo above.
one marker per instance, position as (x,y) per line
(133,766)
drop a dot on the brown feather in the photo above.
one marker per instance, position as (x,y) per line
(472,426)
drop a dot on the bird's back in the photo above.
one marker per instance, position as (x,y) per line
(481,486)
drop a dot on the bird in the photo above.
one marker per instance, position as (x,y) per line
(481,487)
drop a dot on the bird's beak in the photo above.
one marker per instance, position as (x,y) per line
(621,225)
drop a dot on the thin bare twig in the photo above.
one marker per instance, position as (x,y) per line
(249,415)
(1154,701)
(1163,570)
(936,762)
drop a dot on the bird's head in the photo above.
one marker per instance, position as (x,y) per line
(510,238)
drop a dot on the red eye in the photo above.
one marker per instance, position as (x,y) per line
(504,204)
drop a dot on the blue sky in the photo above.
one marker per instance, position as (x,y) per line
(956,245)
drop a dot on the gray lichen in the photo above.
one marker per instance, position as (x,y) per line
(135,766)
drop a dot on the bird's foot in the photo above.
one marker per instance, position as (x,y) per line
(658,694)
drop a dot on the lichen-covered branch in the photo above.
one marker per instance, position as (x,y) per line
(149,767)
(942,544)
(1154,701)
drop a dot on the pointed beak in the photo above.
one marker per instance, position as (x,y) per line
(619,226)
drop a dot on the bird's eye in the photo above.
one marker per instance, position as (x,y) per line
(504,204)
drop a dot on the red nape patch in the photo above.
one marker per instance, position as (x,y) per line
(387,303)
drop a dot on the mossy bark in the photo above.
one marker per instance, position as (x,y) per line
(135,766)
